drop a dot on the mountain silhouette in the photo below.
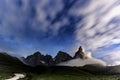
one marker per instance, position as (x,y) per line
(38,59)
(45,63)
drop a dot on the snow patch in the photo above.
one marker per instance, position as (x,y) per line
(16,77)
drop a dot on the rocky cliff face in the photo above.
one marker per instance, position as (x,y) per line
(80,53)
(39,59)
(35,59)
(61,57)
(48,60)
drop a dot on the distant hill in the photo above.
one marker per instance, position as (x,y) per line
(6,59)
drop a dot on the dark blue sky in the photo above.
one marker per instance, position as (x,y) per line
(48,26)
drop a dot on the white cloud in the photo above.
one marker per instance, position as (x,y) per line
(115,63)
(96,29)
(14,17)
(82,62)
(112,57)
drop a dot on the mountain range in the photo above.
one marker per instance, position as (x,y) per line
(41,63)
(38,59)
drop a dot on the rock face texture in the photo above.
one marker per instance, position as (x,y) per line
(48,60)
(35,59)
(61,57)
(80,53)
(38,59)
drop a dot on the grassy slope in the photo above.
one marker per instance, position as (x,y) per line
(68,77)
(10,65)
(5,72)
(56,74)
(67,73)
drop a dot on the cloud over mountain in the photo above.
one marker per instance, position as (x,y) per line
(99,30)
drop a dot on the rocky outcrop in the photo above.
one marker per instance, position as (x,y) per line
(49,60)
(39,59)
(35,59)
(80,53)
(61,57)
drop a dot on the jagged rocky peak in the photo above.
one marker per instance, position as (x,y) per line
(80,53)
(81,49)
(62,56)
(35,59)
(37,53)
(38,59)
(48,59)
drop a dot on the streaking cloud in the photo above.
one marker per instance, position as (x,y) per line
(53,25)
(100,28)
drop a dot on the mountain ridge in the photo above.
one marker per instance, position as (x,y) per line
(60,57)
(7,60)
(38,58)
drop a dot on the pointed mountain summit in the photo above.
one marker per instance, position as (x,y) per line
(62,56)
(80,53)
(35,59)
(38,59)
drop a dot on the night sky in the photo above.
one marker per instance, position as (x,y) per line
(27,26)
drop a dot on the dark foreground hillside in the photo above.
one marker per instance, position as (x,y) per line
(53,73)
